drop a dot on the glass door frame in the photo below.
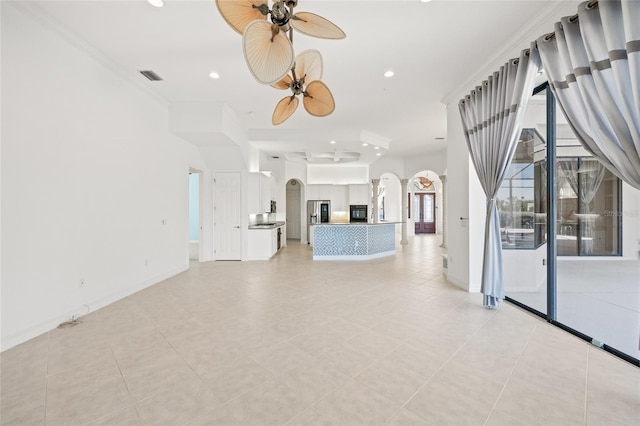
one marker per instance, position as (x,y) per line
(551,315)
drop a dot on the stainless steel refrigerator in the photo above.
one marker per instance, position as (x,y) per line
(318,211)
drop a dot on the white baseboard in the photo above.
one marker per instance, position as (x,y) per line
(29,333)
(354,257)
(461,284)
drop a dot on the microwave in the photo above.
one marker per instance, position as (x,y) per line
(358,213)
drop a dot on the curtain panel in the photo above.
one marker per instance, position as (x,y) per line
(585,180)
(593,65)
(492,118)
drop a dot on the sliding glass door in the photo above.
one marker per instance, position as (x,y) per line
(522,205)
(588,280)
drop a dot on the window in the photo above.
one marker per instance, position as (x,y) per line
(521,199)
(587,194)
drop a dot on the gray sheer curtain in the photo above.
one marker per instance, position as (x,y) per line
(586,186)
(492,117)
(593,65)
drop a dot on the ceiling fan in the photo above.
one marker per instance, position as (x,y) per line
(270,56)
(304,80)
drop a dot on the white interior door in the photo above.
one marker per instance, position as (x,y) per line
(227,216)
(293,213)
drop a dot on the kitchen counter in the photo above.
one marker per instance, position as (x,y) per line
(353,241)
(271,225)
(263,245)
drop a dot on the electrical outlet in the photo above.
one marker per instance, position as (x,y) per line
(82,283)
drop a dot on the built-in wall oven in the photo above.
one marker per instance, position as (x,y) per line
(358,213)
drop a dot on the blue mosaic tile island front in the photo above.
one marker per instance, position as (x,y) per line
(353,241)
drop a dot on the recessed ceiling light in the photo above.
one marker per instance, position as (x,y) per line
(389,73)
(332,142)
(376,147)
(156,3)
(214,75)
(365,144)
(425,1)
(378,154)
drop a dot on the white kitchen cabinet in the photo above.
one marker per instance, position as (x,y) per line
(319,192)
(359,194)
(263,243)
(266,192)
(339,198)
(254,204)
(260,192)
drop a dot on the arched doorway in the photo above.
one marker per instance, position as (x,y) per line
(424,202)
(294,210)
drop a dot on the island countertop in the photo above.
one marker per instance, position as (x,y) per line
(354,223)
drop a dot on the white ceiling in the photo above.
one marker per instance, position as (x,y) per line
(433,48)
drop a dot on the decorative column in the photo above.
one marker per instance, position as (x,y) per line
(403,192)
(445,195)
(375,183)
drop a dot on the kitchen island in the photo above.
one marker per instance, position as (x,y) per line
(353,241)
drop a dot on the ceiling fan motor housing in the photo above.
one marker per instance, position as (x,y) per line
(280,15)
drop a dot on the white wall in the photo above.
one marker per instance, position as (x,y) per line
(404,168)
(392,197)
(337,175)
(630,222)
(467,200)
(89,175)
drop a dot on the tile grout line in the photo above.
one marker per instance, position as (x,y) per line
(133,403)
(495,404)
(46,385)
(350,378)
(437,371)
(586,386)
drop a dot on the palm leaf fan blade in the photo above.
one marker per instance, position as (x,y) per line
(283,84)
(284,109)
(240,13)
(318,100)
(316,26)
(309,65)
(268,60)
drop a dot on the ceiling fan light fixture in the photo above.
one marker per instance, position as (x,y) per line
(156,3)
(268,51)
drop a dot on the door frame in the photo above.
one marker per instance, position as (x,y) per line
(433,194)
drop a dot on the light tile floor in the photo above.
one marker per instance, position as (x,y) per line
(599,297)
(297,342)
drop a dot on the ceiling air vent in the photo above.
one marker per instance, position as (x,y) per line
(152,76)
